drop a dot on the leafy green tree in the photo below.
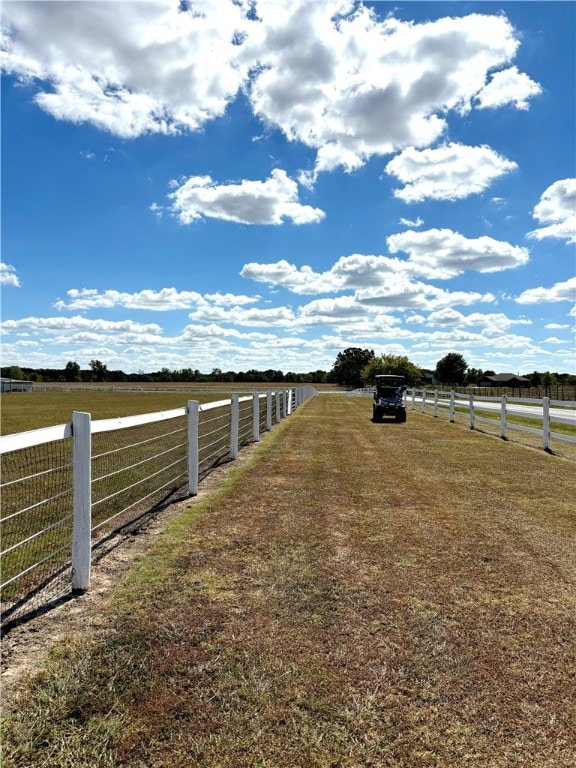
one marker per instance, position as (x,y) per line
(535,379)
(15,372)
(548,380)
(474,376)
(72,371)
(347,369)
(399,365)
(451,369)
(99,370)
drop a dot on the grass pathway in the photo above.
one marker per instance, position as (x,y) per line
(359,595)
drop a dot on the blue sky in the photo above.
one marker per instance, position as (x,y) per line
(263,184)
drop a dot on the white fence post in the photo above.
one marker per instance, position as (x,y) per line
(546,423)
(234,421)
(452,406)
(435,403)
(193,458)
(269,410)
(503,417)
(471,407)
(413,397)
(278,417)
(82,518)
(423,400)
(256,416)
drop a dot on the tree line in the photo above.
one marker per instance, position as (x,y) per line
(353,367)
(99,372)
(356,367)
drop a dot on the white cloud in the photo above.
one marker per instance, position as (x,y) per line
(563,291)
(249,202)
(164,300)
(509,86)
(275,316)
(556,326)
(400,292)
(128,68)
(494,322)
(449,253)
(409,223)
(8,275)
(450,172)
(356,87)
(557,208)
(328,74)
(77,324)
(434,254)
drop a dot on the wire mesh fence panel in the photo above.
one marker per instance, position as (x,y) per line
(245,422)
(136,470)
(262,413)
(131,471)
(214,435)
(36,522)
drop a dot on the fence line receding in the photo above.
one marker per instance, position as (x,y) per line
(66,490)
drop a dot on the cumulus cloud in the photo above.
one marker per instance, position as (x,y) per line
(495,321)
(8,275)
(356,87)
(433,254)
(557,209)
(128,68)
(330,75)
(400,292)
(275,316)
(348,273)
(77,324)
(450,253)
(164,300)
(249,202)
(508,86)
(563,291)
(450,172)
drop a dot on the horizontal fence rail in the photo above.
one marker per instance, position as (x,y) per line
(66,490)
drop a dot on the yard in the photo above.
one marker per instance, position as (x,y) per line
(355,595)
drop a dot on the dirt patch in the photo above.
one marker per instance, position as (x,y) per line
(26,646)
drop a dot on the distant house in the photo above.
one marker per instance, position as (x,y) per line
(15,385)
(504,380)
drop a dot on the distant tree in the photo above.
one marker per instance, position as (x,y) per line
(399,365)
(99,370)
(216,374)
(475,375)
(72,371)
(15,372)
(347,368)
(548,380)
(451,369)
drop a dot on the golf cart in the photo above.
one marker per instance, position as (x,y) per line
(389,398)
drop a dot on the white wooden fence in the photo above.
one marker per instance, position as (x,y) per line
(37,520)
(545,410)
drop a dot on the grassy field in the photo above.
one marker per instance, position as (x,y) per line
(357,595)
(20,412)
(33,410)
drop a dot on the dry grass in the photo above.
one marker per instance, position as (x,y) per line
(360,595)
